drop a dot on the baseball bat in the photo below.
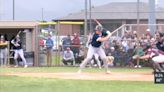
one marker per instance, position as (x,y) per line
(15,38)
(97,22)
(102,26)
(18,33)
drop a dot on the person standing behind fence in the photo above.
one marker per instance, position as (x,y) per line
(66,42)
(49,45)
(18,51)
(75,45)
(95,47)
(3,51)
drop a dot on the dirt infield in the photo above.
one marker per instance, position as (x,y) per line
(90,76)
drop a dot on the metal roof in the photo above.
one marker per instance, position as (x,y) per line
(121,10)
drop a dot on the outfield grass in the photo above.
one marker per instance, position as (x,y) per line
(70,69)
(30,84)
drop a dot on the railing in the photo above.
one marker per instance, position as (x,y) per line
(119,32)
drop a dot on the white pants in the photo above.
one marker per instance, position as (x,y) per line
(158,59)
(91,51)
(21,54)
(97,59)
(3,56)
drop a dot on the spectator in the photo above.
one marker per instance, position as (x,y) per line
(138,52)
(80,57)
(125,45)
(75,44)
(68,56)
(110,57)
(160,41)
(134,35)
(66,42)
(49,45)
(148,32)
(41,44)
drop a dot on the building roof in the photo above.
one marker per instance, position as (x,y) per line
(121,10)
(18,24)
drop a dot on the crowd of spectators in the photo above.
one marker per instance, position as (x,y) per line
(130,47)
(124,51)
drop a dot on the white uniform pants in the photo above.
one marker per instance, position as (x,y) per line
(91,51)
(158,59)
(3,56)
(21,54)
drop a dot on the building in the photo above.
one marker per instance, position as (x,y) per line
(112,16)
(28,33)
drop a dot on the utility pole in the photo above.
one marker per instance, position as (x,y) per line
(42,15)
(138,14)
(90,15)
(85,20)
(13,10)
(0,9)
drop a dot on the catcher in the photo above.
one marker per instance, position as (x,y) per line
(156,56)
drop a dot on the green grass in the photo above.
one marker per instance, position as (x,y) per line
(30,84)
(70,69)
(56,60)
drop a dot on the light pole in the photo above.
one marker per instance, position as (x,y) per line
(152,17)
(90,15)
(42,15)
(85,20)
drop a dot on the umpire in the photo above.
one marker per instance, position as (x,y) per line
(95,47)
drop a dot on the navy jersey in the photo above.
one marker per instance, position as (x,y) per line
(17,47)
(95,43)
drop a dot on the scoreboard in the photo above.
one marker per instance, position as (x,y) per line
(159,77)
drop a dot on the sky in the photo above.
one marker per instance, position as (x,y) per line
(31,10)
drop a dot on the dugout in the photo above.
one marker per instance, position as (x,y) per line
(28,34)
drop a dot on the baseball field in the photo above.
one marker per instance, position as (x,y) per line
(65,79)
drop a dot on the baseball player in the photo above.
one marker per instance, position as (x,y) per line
(95,47)
(18,51)
(3,51)
(96,56)
(156,56)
